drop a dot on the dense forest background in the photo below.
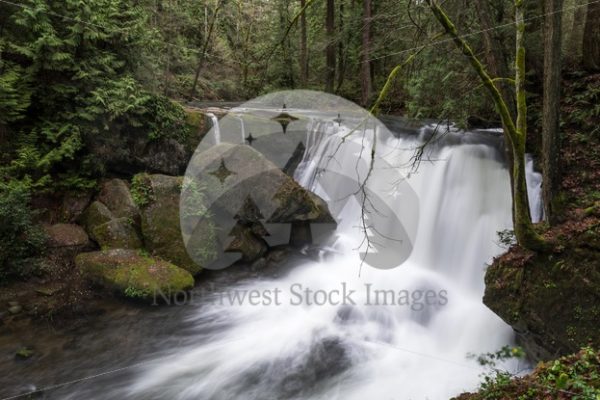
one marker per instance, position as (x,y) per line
(83,83)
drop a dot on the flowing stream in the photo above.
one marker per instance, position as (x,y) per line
(396,346)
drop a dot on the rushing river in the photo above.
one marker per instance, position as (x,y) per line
(358,343)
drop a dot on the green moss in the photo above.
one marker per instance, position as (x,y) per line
(117,234)
(132,275)
(24,353)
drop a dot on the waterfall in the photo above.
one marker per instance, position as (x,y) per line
(367,347)
(242,130)
(216,129)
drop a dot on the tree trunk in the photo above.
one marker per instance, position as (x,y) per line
(303,46)
(288,73)
(591,38)
(341,65)
(202,55)
(551,111)
(516,132)
(330,50)
(366,85)
(573,35)
(496,60)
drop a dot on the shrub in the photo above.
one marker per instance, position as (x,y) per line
(21,240)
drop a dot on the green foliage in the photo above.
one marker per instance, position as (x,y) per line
(14,93)
(581,376)
(21,240)
(585,103)
(72,80)
(165,119)
(492,359)
(135,293)
(141,190)
(575,377)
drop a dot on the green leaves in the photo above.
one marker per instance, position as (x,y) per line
(71,69)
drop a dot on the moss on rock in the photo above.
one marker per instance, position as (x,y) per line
(117,198)
(160,222)
(550,300)
(118,233)
(132,274)
(96,214)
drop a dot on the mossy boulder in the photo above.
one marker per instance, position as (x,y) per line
(115,195)
(550,300)
(160,220)
(131,274)
(96,214)
(118,233)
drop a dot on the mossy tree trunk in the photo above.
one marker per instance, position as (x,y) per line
(515,132)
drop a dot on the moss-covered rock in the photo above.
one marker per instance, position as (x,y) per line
(115,195)
(118,233)
(550,300)
(132,274)
(96,214)
(160,221)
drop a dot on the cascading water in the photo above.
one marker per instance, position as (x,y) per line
(216,129)
(368,347)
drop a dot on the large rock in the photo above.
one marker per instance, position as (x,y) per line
(118,233)
(66,235)
(239,188)
(160,219)
(550,300)
(132,150)
(131,274)
(115,195)
(95,215)
(228,174)
(107,230)
(73,205)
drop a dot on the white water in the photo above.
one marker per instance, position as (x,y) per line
(216,129)
(363,351)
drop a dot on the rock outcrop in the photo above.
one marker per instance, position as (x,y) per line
(550,300)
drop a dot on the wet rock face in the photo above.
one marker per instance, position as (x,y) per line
(550,300)
(132,274)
